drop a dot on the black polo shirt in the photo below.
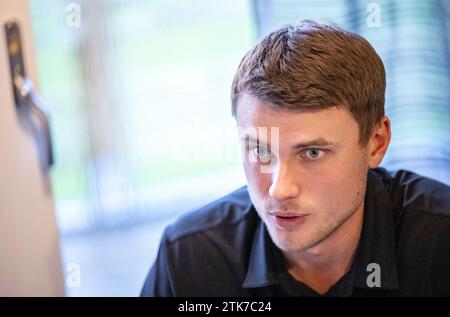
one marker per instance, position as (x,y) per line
(223,249)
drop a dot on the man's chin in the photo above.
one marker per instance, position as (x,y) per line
(290,248)
(287,242)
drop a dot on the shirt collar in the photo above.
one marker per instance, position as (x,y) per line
(262,269)
(377,244)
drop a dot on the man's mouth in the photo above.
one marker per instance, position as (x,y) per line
(288,220)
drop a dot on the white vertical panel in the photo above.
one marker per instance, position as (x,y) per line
(30,262)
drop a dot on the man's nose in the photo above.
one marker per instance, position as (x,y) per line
(284,183)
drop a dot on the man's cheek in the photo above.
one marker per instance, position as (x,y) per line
(251,170)
(255,178)
(334,188)
(324,193)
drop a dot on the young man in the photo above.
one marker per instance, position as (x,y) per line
(317,217)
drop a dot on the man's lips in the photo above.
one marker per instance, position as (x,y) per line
(288,220)
(287,214)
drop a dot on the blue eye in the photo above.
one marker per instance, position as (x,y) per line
(261,151)
(313,154)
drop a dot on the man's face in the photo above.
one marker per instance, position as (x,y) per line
(318,173)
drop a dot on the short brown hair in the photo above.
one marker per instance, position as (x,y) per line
(312,66)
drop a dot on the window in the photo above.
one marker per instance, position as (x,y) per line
(139,98)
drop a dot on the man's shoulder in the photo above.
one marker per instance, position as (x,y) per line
(421,211)
(412,192)
(205,251)
(224,212)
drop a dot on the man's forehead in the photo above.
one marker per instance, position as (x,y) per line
(330,124)
(260,123)
(253,108)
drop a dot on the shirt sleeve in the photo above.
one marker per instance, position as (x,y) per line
(160,280)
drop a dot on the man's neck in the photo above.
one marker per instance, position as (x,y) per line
(324,264)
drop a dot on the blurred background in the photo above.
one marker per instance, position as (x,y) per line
(140,113)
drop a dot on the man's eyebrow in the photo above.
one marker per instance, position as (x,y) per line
(313,143)
(251,139)
(302,145)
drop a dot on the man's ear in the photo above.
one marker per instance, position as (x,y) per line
(379,142)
